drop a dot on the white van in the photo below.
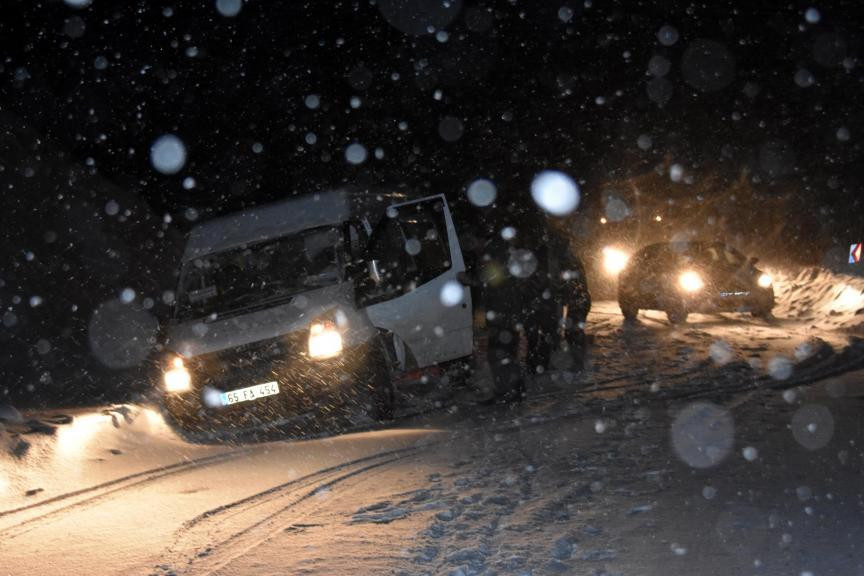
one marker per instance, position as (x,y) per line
(317,299)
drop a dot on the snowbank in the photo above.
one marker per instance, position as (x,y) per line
(45,455)
(826,299)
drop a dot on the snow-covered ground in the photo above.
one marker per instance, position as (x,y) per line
(825,299)
(729,445)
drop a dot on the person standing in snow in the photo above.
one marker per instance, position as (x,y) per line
(569,287)
(541,320)
(504,290)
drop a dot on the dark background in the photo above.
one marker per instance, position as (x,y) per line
(84,92)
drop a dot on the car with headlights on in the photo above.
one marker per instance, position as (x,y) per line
(312,303)
(684,277)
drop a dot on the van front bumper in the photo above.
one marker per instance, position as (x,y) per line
(330,385)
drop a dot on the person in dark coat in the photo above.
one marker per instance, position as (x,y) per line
(512,277)
(541,322)
(504,273)
(560,303)
(569,287)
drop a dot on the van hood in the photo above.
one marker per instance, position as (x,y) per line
(203,336)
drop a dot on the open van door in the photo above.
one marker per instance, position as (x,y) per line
(412,254)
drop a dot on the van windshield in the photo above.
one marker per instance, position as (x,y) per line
(259,275)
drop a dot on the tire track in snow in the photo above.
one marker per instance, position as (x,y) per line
(266,512)
(92,494)
(274,491)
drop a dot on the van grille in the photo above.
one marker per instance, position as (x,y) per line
(249,364)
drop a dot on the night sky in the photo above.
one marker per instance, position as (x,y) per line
(439,94)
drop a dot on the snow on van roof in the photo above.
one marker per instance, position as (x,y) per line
(268,221)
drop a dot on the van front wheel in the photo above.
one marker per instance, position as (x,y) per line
(383,397)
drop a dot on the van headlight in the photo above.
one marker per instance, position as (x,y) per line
(764,281)
(691,281)
(177,377)
(325,340)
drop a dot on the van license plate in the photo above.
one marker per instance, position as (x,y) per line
(250,393)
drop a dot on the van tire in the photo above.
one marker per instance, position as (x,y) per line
(383,390)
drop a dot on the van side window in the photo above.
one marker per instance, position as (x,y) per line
(425,240)
(411,247)
(387,246)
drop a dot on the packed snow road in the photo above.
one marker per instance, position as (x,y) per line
(728,445)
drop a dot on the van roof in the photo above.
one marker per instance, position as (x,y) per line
(268,221)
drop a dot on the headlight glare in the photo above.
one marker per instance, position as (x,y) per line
(764,281)
(177,377)
(325,340)
(614,260)
(691,281)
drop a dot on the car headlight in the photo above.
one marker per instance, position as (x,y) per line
(764,281)
(690,281)
(325,340)
(614,260)
(176,376)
